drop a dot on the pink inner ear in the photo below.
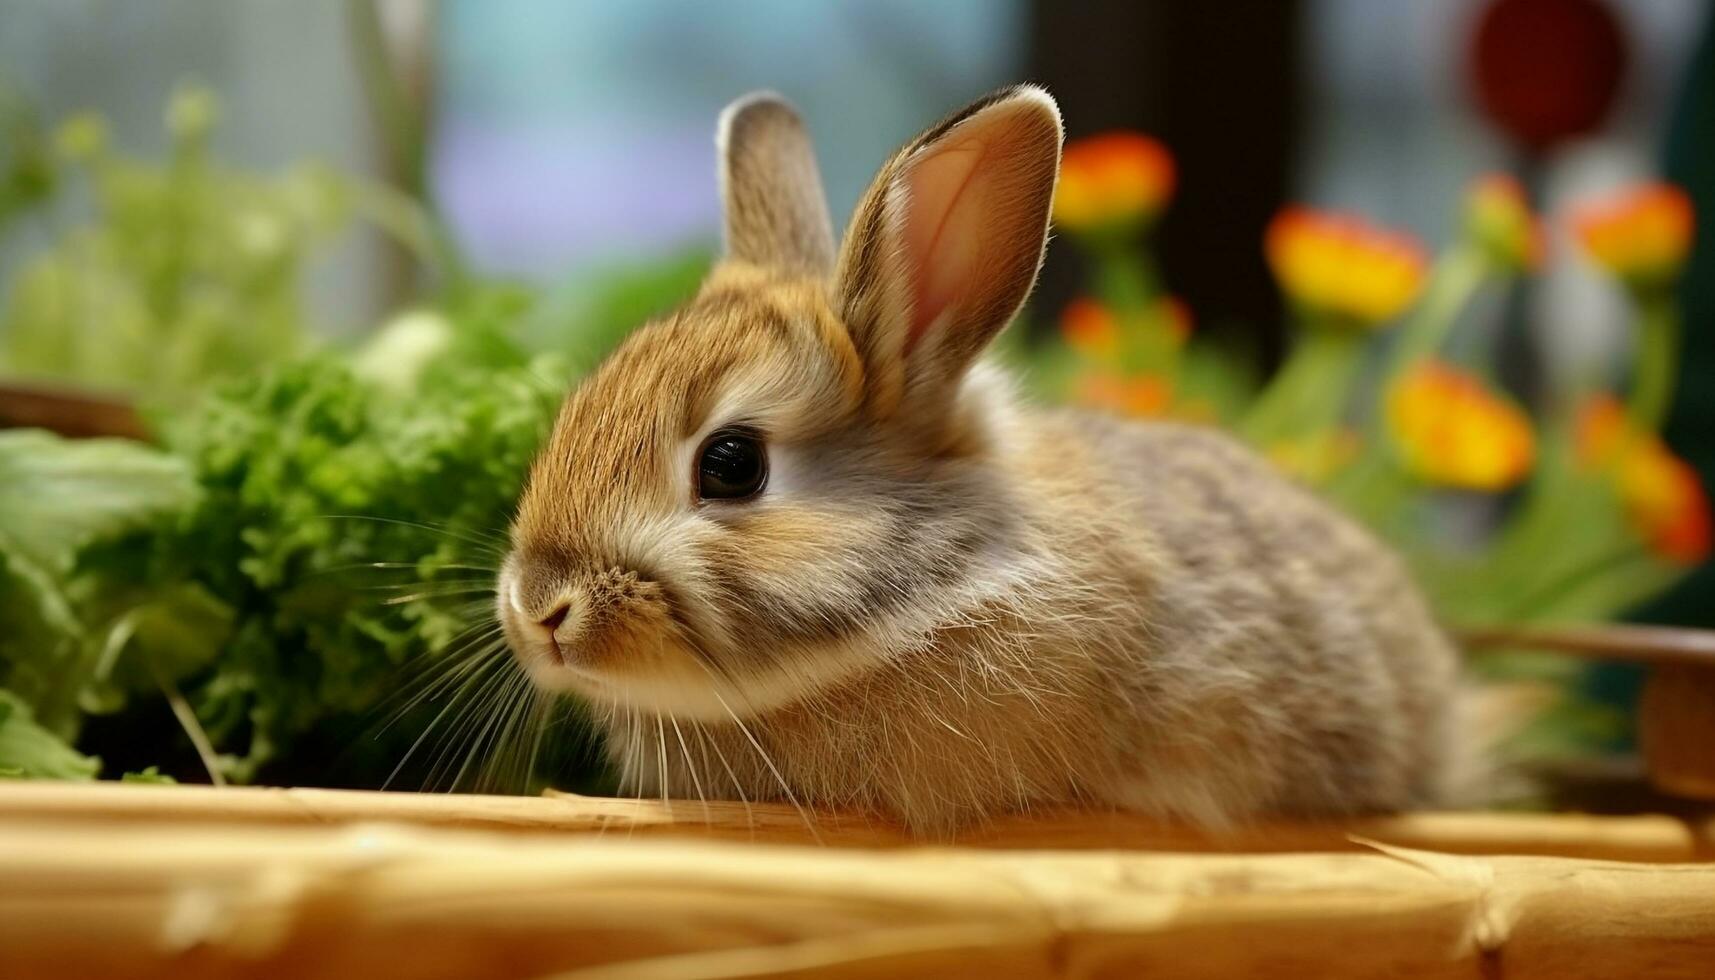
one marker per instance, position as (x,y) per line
(943,231)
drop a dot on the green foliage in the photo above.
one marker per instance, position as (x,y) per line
(29,751)
(308,537)
(27,174)
(186,270)
(315,529)
(312,478)
(589,318)
(57,500)
(151,774)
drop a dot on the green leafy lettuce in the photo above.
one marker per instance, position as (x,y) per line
(58,499)
(306,541)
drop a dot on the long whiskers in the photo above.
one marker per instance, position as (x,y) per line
(769,762)
(489,543)
(475,674)
(690,767)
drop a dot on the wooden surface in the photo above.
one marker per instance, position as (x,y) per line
(68,411)
(1648,838)
(158,898)
(1628,642)
(1677,733)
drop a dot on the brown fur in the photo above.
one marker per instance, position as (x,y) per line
(946,604)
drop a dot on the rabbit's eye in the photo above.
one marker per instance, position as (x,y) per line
(731,465)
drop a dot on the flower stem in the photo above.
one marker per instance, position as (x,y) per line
(1310,389)
(1653,366)
(1455,279)
(1126,278)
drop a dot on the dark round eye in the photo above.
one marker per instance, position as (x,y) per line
(731,465)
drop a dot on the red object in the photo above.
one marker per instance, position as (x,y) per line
(1546,71)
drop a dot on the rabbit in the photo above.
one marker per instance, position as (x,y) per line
(798,541)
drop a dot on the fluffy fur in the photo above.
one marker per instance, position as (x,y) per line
(946,603)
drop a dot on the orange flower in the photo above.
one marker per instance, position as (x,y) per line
(1090,328)
(1665,500)
(1450,429)
(1600,429)
(1343,266)
(1112,180)
(1498,219)
(1137,396)
(1641,234)
(1663,496)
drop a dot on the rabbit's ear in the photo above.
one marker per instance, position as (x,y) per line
(776,213)
(945,246)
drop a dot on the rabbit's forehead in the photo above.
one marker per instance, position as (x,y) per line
(724,359)
(622,449)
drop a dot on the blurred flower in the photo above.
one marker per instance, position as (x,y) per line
(1316,457)
(1112,180)
(1641,234)
(1450,429)
(1665,500)
(1093,329)
(1144,395)
(1090,328)
(1498,219)
(1663,496)
(1344,266)
(1600,430)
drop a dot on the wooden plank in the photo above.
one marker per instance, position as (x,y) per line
(68,411)
(1652,838)
(160,899)
(1603,641)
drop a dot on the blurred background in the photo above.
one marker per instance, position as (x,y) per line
(562,138)
(547,169)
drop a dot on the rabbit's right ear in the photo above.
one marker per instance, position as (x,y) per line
(945,246)
(771,190)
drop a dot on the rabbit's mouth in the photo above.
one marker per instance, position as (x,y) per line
(637,654)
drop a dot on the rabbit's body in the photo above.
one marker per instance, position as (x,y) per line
(792,542)
(1199,639)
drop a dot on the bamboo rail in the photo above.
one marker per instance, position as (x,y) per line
(1646,838)
(164,899)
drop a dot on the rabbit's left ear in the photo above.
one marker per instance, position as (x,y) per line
(771,191)
(945,246)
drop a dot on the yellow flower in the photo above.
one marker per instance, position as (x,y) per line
(1499,220)
(1642,234)
(1343,266)
(1663,496)
(1113,180)
(1140,396)
(1451,430)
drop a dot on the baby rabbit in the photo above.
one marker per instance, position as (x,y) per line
(797,541)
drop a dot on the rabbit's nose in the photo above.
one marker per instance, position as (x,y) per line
(564,625)
(553,620)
